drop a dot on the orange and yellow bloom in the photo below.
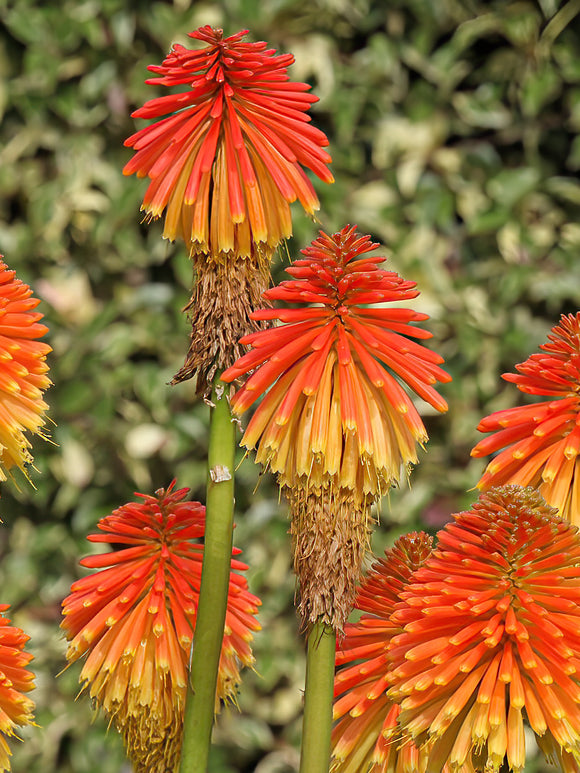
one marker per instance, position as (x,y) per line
(336,412)
(224,165)
(23,371)
(335,424)
(541,441)
(366,737)
(16,709)
(230,155)
(135,620)
(491,638)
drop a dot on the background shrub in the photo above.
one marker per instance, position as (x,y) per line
(454,135)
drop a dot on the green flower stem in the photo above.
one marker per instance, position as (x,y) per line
(213,596)
(557,25)
(317,721)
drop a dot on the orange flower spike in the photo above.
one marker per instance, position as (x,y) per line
(541,442)
(242,129)
(488,590)
(366,735)
(23,371)
(136,619)
(334,423)
(16,709)
(334,274)
(224,164)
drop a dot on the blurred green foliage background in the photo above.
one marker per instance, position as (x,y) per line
(454,135)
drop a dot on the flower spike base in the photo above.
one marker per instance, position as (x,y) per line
(330,536)
(224,295)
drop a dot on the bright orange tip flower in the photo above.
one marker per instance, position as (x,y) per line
(365,738)
(23,371)
(16,709)
(336,410)
(491,638)
(135,619)
(541,441)
(228,159)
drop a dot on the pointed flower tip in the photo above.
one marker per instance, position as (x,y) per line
(496,643)
(23,374)
(134,618)
(333,372)
(240,131)
(539,444)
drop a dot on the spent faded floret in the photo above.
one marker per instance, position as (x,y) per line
(135,619)
(541,440)
(492,638)
(366,737)
(228,159)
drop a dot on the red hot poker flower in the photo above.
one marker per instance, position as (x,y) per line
(225,164)
(23,371)
(541,440)
(15,708)
(336,409)
(229,156)
(136,618)
(336,425)
(492,637)
(366,736)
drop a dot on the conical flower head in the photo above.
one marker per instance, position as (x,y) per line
(492,637)
(541,441)
(16,709)
(23,371)
(336,413)
(135,619)
(228,159)
(366,737)
(336,425)
(225,164)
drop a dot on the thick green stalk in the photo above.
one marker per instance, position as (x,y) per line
(317,721)
(557,25)
(211,613)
